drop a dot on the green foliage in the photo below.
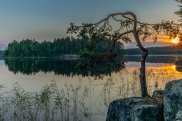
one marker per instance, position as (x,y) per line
(32,48)
(179,12)
(57,48)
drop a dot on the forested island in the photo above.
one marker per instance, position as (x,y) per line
(71,46)
(58,47)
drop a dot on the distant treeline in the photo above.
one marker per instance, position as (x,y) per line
(63,46)
(1,54)
(155,51)
(155,59)
(56,48)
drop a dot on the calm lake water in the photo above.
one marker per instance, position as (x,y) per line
(89,97)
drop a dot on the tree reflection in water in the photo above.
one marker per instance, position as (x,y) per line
(64,67)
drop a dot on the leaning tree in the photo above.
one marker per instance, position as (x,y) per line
(125,27)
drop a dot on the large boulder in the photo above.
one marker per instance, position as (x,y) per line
(133,109)
(173,101)
(146,112)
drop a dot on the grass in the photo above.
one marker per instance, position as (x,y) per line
(71,103)
(50,104)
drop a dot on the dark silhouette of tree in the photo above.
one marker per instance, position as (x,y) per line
(125,27)
(56,48)
(179,12)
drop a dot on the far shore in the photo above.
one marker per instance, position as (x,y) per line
(158,55)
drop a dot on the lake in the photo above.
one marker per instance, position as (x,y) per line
(82,98)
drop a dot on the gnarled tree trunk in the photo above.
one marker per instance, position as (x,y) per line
(144,51)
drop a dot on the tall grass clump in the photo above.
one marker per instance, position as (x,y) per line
(49,104)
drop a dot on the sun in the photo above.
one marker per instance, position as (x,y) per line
(175,40)
(174,67)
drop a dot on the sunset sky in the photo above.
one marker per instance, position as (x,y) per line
(49,19)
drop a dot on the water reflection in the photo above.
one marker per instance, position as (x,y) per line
(156,58)
(158,76)
(78,97)
(75,67)
(62,67)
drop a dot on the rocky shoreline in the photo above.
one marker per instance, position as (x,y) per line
(164,105)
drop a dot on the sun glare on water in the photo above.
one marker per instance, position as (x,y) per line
(175,40)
